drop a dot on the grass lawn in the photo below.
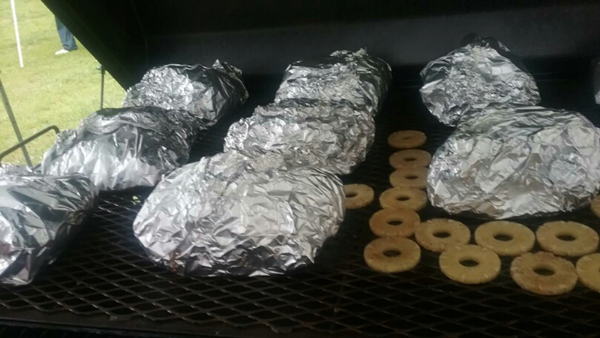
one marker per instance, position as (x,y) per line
(50,89)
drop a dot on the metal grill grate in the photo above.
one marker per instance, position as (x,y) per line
(105,280)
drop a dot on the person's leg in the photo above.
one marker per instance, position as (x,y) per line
(66,38)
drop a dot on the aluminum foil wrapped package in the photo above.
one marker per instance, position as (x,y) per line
(208,92)
(233,215)
(125,147)
(39,215)
(351,78)
(335,138)
(483,72)
(505,162)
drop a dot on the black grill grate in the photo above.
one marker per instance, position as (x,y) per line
(105,280)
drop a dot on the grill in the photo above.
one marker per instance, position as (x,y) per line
(104,282)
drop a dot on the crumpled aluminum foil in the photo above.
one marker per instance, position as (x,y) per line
(234,215)
(125,147)
(39,215)
(481,73)
(505,162)
(15,169)
(208,92)
(335,138)
(352,78)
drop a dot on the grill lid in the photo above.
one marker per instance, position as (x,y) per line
(262,37)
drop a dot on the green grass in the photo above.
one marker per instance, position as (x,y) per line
(49,90)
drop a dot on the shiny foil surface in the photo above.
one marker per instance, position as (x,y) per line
(505,162)
(481,73)
(15,169)
(335,138)
(233,215)
(39,215)
(125,147)
(351,78)
(207,92)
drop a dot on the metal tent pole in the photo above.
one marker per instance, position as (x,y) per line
(16,24)
(101,86)
(13,121)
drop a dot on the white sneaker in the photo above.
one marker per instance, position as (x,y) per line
(62,51)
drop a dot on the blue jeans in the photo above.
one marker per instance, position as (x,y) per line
(67,39)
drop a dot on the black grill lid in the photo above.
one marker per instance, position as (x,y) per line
(262,37)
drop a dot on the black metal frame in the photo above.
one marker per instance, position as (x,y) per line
(14,124)
(24,142)
(102,72)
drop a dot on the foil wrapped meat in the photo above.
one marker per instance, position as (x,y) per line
(233,215)
(505,162)
(207,92)
(335,138)
(350,78)
(125,147)
(483,72)
(39,215)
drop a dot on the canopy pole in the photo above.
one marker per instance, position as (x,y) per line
(13,121)
(102,86)
(14,15)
